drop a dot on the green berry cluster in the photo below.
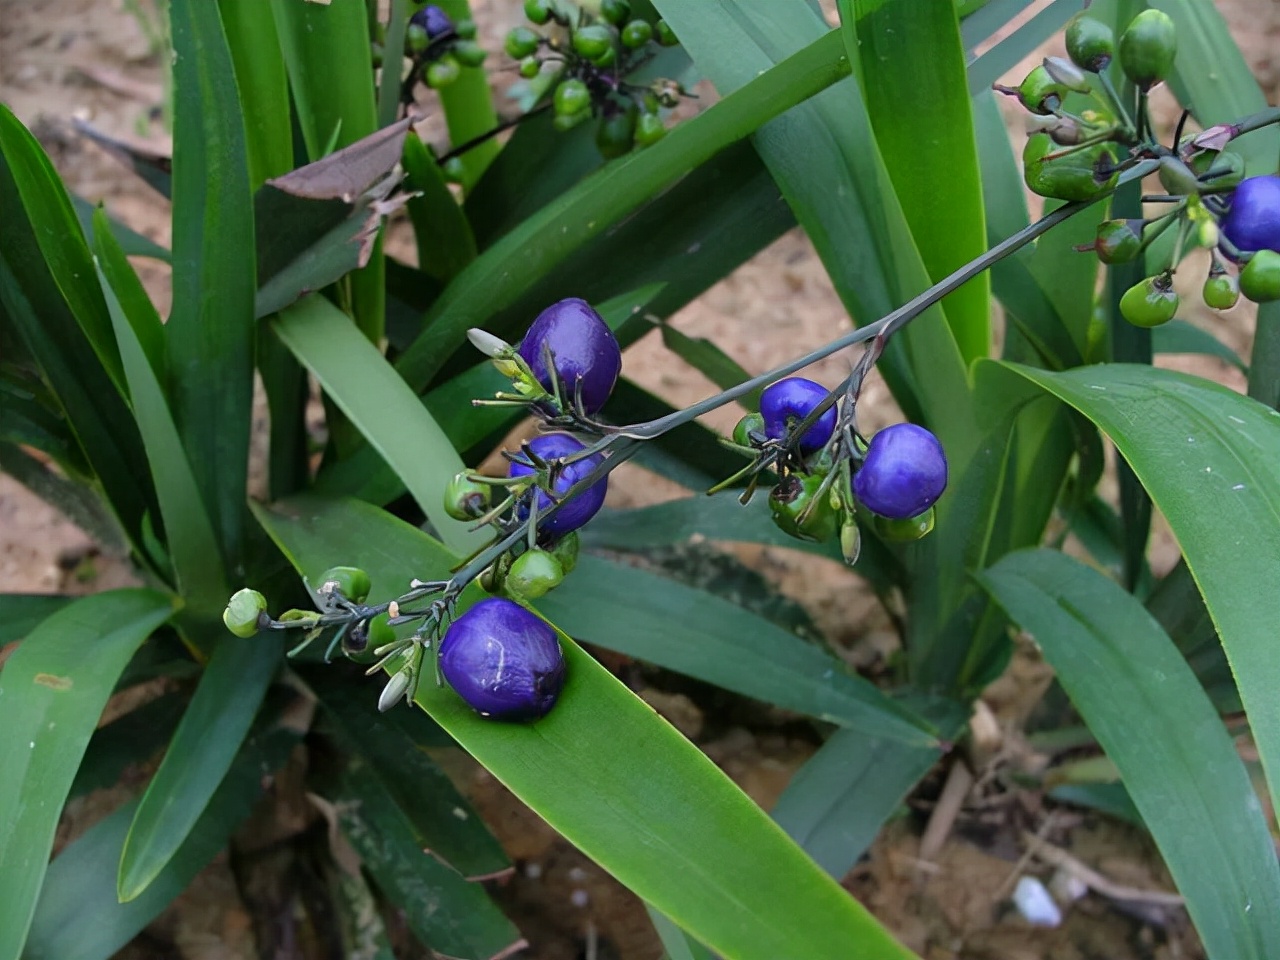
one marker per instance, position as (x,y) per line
(592,57)
(439,48)
(1079,156)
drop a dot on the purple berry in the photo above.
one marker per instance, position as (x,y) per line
(1253,223)
(904,473)
(785,403)
(433,20)
(504,661)
(587,356)
(581,508)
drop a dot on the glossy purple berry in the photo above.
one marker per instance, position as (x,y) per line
(587,356)
(433,20)
(581,508)
(785,403)
(1253,222)
(504,661)
(904,473)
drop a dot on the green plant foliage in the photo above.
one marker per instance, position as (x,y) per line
(1148,712)
(607,772)
(54,688)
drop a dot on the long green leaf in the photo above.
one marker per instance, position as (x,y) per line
(618,782)
(361,382)
(36,315)
(78,916)
(1264,361)
(695,633)
(54,688)
(1210,459)
(448,913)
(210,331)
(189,535)
(445,241)
(1144,705)
(329,60)
(203,749)
(910,65)
(133,243)
(133,738)
(437,816)
(592,208)
(263,85)
(61,243)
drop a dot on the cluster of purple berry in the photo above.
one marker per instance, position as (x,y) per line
(897,477)
(593,56)
(1080,155)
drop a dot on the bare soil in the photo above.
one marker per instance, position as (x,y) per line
(946,895)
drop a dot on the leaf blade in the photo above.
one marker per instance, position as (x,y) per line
(48,728)
(1149,713)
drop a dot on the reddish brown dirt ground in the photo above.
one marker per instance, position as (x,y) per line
(90,59)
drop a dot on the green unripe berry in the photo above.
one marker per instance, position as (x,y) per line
(533,574)
(850,541)
(537,11)
(608,58)
(616,134)
(1148,47)
(565,551)
(666,36)
(244,613)
(1119,241)
(566,122)
(615,11)
(466,29)
(649,129)
(636,34)
(469,53)
(416,39)
(454,170)
(572,96)
(467,499)
(800,511)
(747,429)
(1084,174)
(1150,302)
(521,42)
(1260,279)
(1090,43)
(1221,289)
(530,67)
(442,73)
(350,582)
(592,41)
(904,531)
(1040,93)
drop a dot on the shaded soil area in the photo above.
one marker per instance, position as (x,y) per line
(941,875)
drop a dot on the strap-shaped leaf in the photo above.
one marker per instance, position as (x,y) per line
(53,688)
(615,779)
(210,331)
(374,397)
(1210,460)
(1144,705)
(910,65)
(206,743)
(78,916)
(693,632)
